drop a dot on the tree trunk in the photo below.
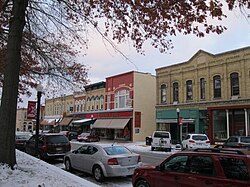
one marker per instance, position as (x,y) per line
(11,80)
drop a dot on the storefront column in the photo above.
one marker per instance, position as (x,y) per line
(227,114)
(246,121)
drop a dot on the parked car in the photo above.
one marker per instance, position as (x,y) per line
(88,137)
(51,145)
(161,140)
(237,142)
(70,135)
(102,160)
(200,167)
(21,139)
(193,141)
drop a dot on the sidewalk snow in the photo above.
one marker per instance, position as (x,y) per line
(32,172)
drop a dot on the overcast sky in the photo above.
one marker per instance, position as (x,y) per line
(103,61)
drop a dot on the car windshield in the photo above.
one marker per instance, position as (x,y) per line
(116,150)
(161,135)
(199,137)
(245,139)
(57,139)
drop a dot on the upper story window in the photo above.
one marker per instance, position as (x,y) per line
(189,88)
(163,93)
(175,92)
(92,103)
(101,102)
(122,99)
(202,88)
(88,104)
(217,86)
(235,89)
(108,102)
(96,103)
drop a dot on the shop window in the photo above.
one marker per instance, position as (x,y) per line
(220,125)
(202,88)
(235,90)
(163,93)
(189,88)
(175,92)
(217,86)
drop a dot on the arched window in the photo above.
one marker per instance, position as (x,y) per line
(122,99)
(92,103)
(202,88)
(96,103)
(88,104)
(217,86)
(175,92)
(163,93)
(189,95)
(235,89)
(101,102)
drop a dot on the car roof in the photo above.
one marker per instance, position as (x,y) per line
(197,134)
(217,151)
(104,145)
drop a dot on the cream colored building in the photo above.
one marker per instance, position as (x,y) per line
(22,123)
(212,92)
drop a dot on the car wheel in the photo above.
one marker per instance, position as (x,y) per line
(68,166)
(142,183)
(98,174)
(152,148)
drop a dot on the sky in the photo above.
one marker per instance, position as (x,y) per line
(103,61)
(32,172)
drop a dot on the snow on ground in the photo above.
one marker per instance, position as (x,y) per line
(32,172)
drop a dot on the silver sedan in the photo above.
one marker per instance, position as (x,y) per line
(103,160)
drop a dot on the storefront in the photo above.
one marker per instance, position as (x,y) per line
(227,121)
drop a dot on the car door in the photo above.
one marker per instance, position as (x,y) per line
(200,171)
(30,146)
(90,158)
(169,172)
(77,158)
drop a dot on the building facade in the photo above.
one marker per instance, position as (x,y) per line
(207,94)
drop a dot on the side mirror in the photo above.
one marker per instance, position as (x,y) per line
(159,167)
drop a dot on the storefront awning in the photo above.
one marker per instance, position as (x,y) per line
(118,123)
(81,121)
(111,123)
(65,121)
(49,121)
(102,123)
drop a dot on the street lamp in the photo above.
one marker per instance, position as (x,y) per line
(39,89)
(91,125)
(178,125)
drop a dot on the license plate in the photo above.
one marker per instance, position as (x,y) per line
(199,143)
(58,148)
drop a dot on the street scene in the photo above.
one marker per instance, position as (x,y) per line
(124,93)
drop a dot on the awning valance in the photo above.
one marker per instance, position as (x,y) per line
(174,120)
(49,121)
(65,121)
(111,123)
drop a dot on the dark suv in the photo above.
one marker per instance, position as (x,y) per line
(50,146)
(198,168)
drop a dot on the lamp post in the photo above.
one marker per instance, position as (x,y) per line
(178,125)
(91,125)
(39,89)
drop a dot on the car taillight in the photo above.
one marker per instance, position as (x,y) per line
(112,161)
(139,158)
(208,141)
(191,141)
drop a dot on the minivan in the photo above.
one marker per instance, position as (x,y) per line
(161,140)
(50,146)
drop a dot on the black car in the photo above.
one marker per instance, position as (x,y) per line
(51,145)
(21,139)
(237,142)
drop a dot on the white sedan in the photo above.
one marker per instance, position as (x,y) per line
(103,160)
(193,141)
